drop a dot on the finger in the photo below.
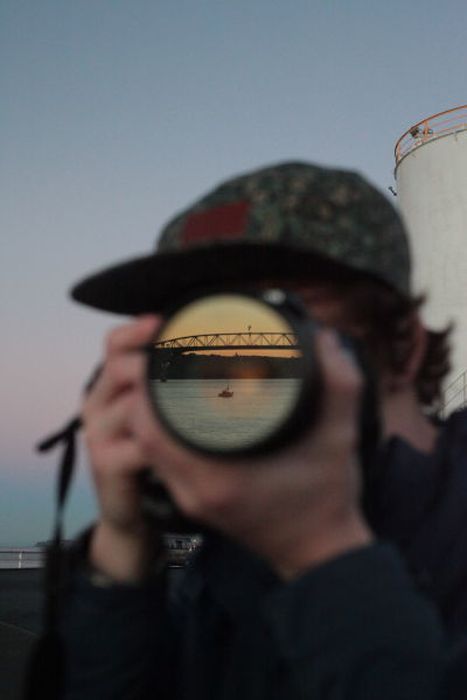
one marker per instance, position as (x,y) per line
(342,376)
(110,423)
(118,371)
(133,335)
(119,374)
(121,457)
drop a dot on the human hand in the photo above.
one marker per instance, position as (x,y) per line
(295,507)
(119,546)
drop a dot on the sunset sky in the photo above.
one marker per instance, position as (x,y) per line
(117,114)
(224,314)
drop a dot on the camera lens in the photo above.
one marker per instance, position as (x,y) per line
(227,371)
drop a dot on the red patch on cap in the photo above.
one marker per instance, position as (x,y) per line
(226,221)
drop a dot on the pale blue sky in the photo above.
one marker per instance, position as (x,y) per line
(114,114)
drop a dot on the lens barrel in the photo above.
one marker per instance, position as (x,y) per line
(235,374)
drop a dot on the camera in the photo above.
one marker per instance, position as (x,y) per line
(235,375)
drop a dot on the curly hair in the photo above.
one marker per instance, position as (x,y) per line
(385,321)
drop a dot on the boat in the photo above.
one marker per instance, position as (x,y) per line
(226,393)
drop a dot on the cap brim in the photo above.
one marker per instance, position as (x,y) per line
(151,283)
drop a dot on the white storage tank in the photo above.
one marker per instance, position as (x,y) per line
(431,175)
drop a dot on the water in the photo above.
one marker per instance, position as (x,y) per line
(199,414)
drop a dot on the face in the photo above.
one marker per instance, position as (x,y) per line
(327,305)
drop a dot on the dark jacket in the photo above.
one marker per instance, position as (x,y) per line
(353,629)
(420,504)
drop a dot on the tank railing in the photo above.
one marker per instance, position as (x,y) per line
(455,394)
(178,547)
(440,124)
(17,558)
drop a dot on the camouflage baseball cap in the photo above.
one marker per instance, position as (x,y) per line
(291,221)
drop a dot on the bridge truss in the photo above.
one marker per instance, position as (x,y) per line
(230,341)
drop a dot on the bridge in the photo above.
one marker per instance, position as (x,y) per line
(230,341)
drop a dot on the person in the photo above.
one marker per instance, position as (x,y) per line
(421,476)
(291,595)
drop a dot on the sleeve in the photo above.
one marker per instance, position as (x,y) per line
(454,683)
(119,641)
(356,628)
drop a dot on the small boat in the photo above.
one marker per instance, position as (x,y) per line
(226,393)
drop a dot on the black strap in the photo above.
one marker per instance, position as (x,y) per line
(45,673)
(53,562)
(44,676)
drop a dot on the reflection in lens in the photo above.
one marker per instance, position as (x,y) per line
(226,372)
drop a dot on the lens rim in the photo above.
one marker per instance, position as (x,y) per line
(308,401)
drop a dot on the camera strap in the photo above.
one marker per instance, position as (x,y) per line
(53,568)
(45,673)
